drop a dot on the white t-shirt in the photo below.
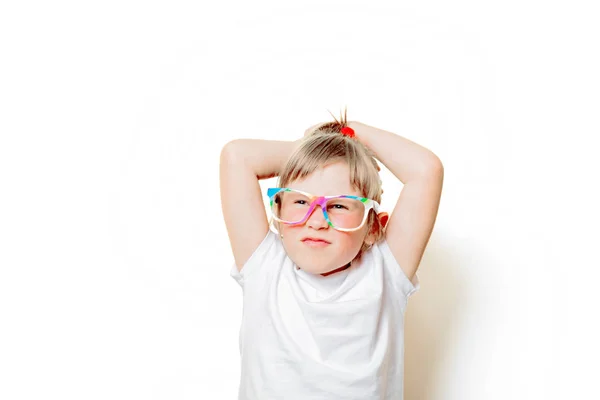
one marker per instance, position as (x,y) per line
(305,336)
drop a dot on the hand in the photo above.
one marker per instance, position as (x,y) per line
(310,130)
(355,125)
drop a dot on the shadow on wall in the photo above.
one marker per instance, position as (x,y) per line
(432,316)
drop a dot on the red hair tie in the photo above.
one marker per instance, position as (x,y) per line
(347,131)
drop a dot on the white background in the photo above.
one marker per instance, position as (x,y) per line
(114,279)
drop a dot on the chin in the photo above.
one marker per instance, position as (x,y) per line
(312,269)
(307,265)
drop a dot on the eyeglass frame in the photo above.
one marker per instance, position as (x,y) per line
(315,200)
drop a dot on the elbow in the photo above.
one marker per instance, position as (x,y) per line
(229,150)
(434,166)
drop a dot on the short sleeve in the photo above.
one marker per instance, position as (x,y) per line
(401,281)
(268,249)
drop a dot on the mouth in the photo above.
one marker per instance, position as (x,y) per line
(315,242)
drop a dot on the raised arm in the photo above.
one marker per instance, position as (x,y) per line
(243,163)
(422,173)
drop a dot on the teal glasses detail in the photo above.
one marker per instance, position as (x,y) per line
(345,213)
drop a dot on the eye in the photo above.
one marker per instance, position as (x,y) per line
(340,207)
(301,202)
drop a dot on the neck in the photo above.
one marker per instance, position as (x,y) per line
(337,270)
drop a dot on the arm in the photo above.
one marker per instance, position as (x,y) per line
(422,173)
(242,163)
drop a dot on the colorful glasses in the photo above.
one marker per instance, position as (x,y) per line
(343,212)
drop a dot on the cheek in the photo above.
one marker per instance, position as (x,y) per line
(351,242)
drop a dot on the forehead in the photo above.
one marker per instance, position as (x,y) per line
(333,179)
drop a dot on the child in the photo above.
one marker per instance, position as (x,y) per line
(324,298)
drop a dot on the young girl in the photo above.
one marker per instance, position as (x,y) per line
(324,297)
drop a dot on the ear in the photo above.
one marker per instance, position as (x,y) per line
(383,218)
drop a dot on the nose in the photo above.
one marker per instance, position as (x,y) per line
(317,219)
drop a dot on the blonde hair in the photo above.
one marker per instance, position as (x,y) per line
(327,145)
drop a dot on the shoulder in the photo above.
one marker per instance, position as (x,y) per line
(270,251)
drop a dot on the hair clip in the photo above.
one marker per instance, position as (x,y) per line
(347,131)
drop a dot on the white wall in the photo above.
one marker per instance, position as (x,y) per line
(114,256)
